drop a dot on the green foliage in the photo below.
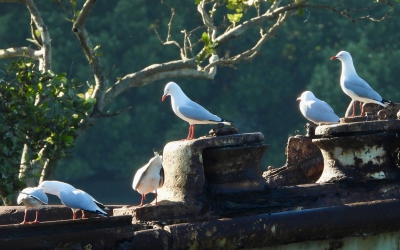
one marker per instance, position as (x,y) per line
(41,110)
(239,6)
(209,48)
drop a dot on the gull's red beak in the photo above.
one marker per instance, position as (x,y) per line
(163,97)
(333,57)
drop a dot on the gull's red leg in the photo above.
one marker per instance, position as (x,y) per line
(362,109)
(190,132)
(83,215)
(156,197)
(143,198)
(354,108)
(37,215)
(24,222)
(73,215)
(194,128)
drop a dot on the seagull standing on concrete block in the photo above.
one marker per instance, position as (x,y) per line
(188,110)
(149,178)
(354,86)
(316,110)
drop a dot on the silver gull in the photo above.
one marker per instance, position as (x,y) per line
(188,110)
(74,198)
(149,178)
(354,86)
(32,197)
(316,110)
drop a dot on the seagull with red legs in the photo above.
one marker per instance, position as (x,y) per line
(149,178)
(32,197)
(354,86)
(188,110)
(73,198)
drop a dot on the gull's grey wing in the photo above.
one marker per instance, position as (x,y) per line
(319,112)
(139,175)
(79,199)
(195,111)
(33,193)
(361,88)
(39,195)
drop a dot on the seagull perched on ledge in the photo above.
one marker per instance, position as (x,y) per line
(74,198)
(149,178)
(316,110)
(188,110)
(354,86)
(32,197)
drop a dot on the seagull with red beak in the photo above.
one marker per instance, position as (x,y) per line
(188,110)
(354,86)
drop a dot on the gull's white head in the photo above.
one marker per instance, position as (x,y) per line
(54,187)
(170,89)
(342,56)
(305,96)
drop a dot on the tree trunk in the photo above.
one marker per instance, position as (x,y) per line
(30,170)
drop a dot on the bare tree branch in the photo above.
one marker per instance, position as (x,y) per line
(94,61)
(36,39)
(239,29)
(274,5)
(207,20)
(21,52)
(157,72)
(249,54)
(168,41)
(115,113)
(45,61)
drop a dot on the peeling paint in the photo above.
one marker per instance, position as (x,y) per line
(349,157)
(379,175)
(273,229)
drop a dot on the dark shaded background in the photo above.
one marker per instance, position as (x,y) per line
(259,95)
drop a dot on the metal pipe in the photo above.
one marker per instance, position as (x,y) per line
(357,219)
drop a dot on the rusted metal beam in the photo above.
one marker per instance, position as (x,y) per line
(358,219)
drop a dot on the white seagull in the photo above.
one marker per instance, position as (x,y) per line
(316,110)
(188,110)
(32,197)
(354,86)
(149,178)
(74,198)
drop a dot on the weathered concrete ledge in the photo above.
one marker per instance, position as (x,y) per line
(92,233)
(357,127)
(15,214)
(183,164)
(167,213)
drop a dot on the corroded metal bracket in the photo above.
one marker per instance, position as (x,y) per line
(359,151)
